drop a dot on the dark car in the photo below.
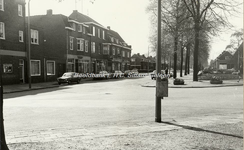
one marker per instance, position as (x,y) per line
(69,77)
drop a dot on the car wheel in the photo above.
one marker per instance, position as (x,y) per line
(78,81)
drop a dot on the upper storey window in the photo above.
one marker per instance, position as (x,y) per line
(2,5)
(20,10)
(2,31)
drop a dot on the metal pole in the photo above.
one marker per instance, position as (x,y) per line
(158,66)
(148,61)
(29,47)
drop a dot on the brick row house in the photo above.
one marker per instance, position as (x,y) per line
(58,44)
(12,41)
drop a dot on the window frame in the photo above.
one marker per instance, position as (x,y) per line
(34,36)
(7,65)
(71,43)
(103,34)
(113,50)
(98,33)
(54,67)
(93,47)
(21,35)
(20,10)
(2,26)
(2,4)
(86,45)
(39,67)
(93,31)
(80,27)
(81,42)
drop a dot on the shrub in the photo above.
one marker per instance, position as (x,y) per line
(178,81)
(216,80)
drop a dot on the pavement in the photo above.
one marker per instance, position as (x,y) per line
(189,83)
(147,83)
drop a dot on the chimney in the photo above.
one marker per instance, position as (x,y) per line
(49,12)
(108,27)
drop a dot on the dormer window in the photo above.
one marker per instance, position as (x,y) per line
(93,31)
(117,41)
(73,26)
(112,39)
(79,28)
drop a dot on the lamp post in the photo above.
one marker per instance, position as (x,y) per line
(29,47)
(158,67)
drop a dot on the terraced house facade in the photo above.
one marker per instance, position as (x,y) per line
(12,41)
(58,44)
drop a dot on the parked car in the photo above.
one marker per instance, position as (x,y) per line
(117,74)
(69,77)
(154,73)
(127,73)
(134,72)
(102,75)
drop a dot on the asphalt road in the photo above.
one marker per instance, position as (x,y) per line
(114,102)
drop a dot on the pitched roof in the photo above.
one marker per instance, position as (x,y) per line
(82,18)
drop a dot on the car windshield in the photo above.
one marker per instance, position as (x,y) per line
(67,74)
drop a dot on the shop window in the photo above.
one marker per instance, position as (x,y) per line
(7,68)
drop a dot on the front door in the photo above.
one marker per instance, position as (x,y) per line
(21,71)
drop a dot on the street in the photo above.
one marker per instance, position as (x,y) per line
(121,103)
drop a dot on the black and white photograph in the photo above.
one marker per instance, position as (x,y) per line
(121,74)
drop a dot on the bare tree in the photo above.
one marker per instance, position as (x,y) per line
(215,13)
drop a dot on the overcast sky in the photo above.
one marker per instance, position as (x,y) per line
(127,17)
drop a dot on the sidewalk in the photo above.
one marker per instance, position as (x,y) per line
(145,83)
(189,83)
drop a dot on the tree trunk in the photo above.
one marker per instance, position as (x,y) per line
(186,59)
(3,145)
(181,60)
(175,56)
(189,59)
(195,68)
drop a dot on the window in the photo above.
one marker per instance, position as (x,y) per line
(227,57)
(35,68)
(119,66)
(2,30)
(112,39)
(34,37)
(21,36)
(93,31)
(86,46)
(103,35)
(128,54)
(98,33)
(71,43)
(99,48)
(2,5)
(133,59)
(73,26)
(20,10)
(105,49)
(7,68)
(80,45)
(117,41)
(50,67)
(79,28)
(113,50)
(113,66)
(123,53)
(93,50)
(84,30)
(118,51)
(71,65)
